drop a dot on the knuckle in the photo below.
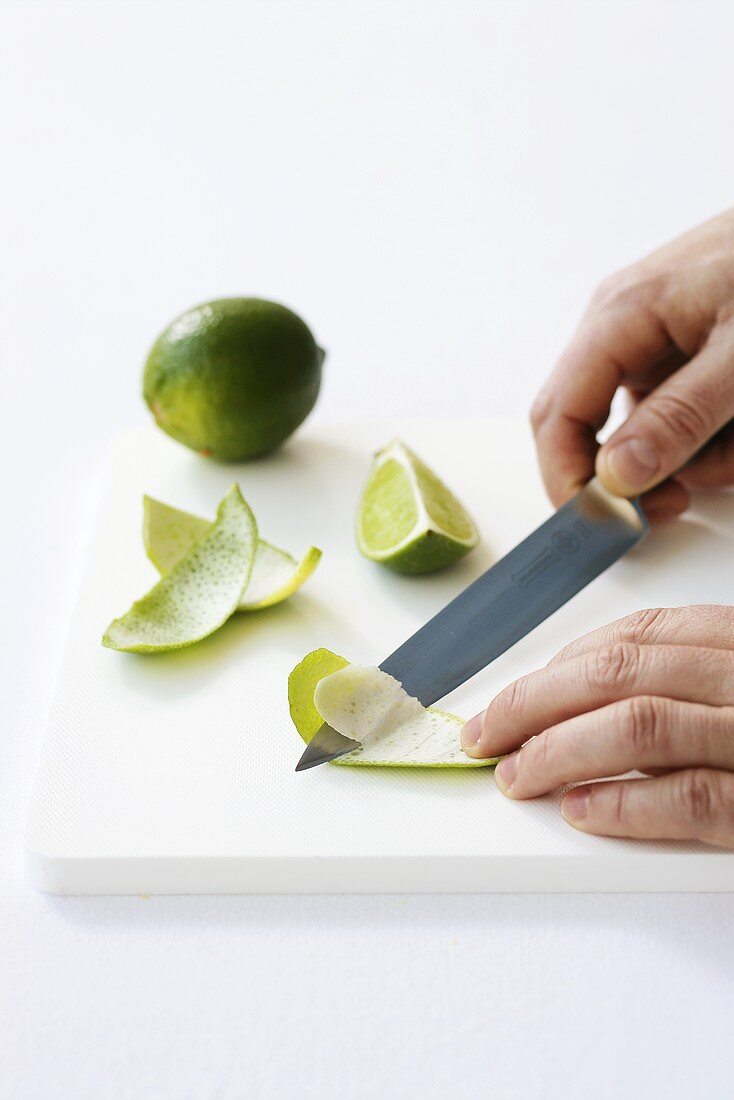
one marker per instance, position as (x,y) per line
(618,807)
(611,288)
(726,795)
(689,417)
(537,756)
(642,627)
(613,666)
(540,409)
(698,796)
(639,285)
(564,654)
(642,726)
(511,700)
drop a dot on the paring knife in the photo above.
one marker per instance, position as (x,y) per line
(584,537)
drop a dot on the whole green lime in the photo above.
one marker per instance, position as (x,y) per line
(233,378)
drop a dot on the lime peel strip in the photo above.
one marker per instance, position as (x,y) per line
(201,591)
(276,575)
(370,706)
(169,532)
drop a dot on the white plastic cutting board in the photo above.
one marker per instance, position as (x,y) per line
(175,773)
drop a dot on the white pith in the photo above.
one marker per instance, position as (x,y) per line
(289,581)
(391,727)
(276,574)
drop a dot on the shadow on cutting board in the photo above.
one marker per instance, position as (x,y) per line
(272,633)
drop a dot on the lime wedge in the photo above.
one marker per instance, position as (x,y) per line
(201,591)
(169,533)
(368,705)
(407,518)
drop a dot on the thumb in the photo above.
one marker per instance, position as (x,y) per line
(671,424)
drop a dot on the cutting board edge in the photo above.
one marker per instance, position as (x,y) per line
(665,873)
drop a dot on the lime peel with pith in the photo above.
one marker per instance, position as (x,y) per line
(201,591)
(169,533)
(371,707)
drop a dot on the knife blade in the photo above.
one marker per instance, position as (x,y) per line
(578,543)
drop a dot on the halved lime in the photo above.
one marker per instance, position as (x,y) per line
(407,518)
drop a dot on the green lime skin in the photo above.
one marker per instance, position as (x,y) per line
(233,378)
(426,555)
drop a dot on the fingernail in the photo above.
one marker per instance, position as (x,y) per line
(472,731)
(506,772)
(575,805)
(631,464)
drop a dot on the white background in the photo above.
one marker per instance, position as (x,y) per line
(436,187)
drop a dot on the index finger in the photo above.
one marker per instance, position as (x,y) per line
(619,337)
(554,694)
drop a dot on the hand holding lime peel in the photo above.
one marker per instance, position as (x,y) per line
(408,519)
(368,705)
(169,534)
(233,378)
(210,570)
